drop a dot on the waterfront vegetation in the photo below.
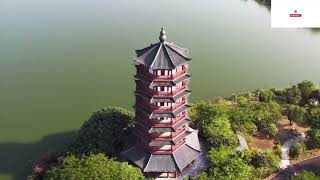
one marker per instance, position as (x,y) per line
(306,175)
(100,139)
(94,166)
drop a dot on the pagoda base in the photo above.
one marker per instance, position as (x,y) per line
(164,164)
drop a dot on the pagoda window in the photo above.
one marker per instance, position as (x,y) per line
(161,103)
(162,88)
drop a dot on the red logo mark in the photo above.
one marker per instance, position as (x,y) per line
(295,15)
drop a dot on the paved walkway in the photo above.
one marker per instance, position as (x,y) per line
(285,161)
(243,142)
(312,164)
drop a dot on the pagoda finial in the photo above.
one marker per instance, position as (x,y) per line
(162,36)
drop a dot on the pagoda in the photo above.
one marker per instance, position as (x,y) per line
(162,143)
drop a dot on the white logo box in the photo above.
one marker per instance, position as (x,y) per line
(295,13)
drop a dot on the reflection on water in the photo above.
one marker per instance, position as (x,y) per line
(61,60)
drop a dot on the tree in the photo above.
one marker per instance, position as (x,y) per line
(296,113)
(93,167)
(296,149)
(203,112)
(314,135)
(305,175)
(264,162)
(270,130)
(218,132)
(306,88)
(313,117)
(265,96)
(293,95)
(241,119)
(224,163)
(265,117)
(103,132)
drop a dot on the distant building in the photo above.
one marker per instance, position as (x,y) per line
(314,97)
(163,144)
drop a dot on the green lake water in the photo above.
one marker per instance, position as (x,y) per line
(62,60)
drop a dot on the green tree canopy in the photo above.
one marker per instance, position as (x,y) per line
(203,112)
(226,164)
(314,135)
(103,132)
(242,119)
(296,113)
(313,117)
(218,132)
(265,95)
(306,87)
(264,162)
(296,149)
(293,95)
(92,167)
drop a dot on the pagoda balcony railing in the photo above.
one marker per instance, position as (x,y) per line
(153,77)
(157,123)
(154,136)
(157,150)
(155,108)
(152,92)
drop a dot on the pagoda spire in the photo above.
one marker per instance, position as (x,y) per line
(162,36)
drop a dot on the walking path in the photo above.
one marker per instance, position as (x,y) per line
(285,161)
(312,164)
(243,142)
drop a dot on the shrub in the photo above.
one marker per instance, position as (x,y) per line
(277,150)
(296,149)
(93,167)
(264,162)
(305,175)
(278,92)
(265,96)
(103,132)
(270,130)
(201,176)
(314,135)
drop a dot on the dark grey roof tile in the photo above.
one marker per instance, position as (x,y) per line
(161,163)
(184,156)
(162,56)
(138,155)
